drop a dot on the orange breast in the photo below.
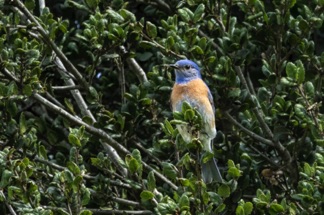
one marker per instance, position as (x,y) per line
(195,91)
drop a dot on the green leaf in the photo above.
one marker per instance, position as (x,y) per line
(27,90)
(146,195)
(151,183)
(133,165)
(151,29)
(30,4)
(86,212)
(184,15)
(169,42)
(184,202)
(69,105)
(234,172)
(292,3)
(301,72)
(115,16)
(248,208)
(22,123)
(74,140)
(92,4)
(291,70)
(94,93)
(128,15)
(199,13)
(300,110)
(239,210)
(189,115)
(185,106)
(220,208)
(321,2)
(224,191)
(308,170)
(73,168)
(5,178)
(86,194)
(76,185)
(296,72)
(42,152)
(168,127)
(12,191)
(277,208)
(230,164)
(196,50)
(169,170)
(309,89)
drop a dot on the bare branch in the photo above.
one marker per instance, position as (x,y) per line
(63,88)
(121,78)
(41,6)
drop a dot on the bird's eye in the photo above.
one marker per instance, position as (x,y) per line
(187,66)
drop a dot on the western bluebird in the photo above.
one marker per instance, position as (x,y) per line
(189,87)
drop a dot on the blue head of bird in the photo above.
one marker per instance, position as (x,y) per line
(185,71)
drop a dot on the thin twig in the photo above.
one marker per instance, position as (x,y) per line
(301,90)
(132,63)
(247,131)
(262,154)
(125,201)
(158,45)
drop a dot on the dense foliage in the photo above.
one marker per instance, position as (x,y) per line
(86,125)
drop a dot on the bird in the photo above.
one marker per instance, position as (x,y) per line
(189,87)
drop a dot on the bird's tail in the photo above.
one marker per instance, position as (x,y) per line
(210,171)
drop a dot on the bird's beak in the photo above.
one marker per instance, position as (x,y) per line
(174,66)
